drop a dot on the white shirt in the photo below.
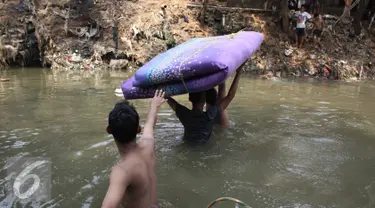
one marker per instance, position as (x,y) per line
(302,18)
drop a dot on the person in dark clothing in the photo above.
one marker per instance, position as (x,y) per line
(198,124)
(292,4)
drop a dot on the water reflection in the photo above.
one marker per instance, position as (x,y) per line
(290,143)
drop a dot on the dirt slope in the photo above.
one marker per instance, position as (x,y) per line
(147,28)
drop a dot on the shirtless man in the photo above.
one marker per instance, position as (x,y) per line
(133,180)
(221,100)
(348,3)
(318,26)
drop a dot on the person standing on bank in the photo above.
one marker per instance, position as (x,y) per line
(302,18)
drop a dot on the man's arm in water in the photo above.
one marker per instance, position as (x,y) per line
(232,91)
(147,139)
(118,183)
(224,118)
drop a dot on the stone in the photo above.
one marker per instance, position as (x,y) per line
(312,56)
(118,63)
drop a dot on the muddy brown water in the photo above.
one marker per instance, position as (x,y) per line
(290,143)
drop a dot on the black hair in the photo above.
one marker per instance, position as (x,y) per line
(197,97)
(123,122)
(211,96)
(316,14)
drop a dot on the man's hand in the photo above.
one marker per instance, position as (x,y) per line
(158,99)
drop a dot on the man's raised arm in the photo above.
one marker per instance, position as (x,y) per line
(172,103)
(221,93)
(232,91)
(147,138)
(224,117)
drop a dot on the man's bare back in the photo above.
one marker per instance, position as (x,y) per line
(139,164)
(133,179)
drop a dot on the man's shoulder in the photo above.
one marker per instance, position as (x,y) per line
(129,162)
(182,110)
(122,165)
(213,111)
(120,174)
(215,107)
(182,107)
(129,165)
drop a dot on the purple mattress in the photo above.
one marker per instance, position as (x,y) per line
(200,63)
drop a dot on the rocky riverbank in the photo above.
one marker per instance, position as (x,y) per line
(81,36)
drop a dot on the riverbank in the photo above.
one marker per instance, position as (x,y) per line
(53,32)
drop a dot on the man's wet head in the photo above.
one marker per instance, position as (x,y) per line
(123,123)
(197,99)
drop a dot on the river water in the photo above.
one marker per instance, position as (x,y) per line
(290,143)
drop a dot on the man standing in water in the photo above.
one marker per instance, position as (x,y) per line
(133,179)
(197,124)
(215,99)
(212,98)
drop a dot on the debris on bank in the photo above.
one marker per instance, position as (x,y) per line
(89,36)
(340,55)
(105,34)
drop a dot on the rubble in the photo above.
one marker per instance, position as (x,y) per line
(124,35)
(118,64)
(338,53)
(143,30)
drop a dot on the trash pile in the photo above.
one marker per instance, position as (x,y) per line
(119,35)
(16,40)
(340,55)
(92,35)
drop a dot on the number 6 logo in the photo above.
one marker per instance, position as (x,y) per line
(23,176)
